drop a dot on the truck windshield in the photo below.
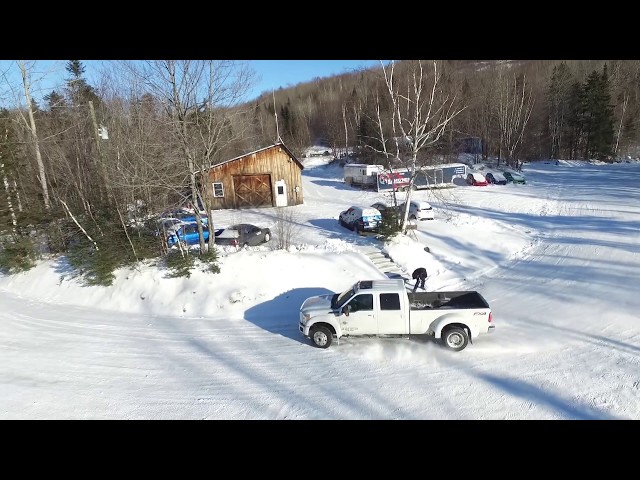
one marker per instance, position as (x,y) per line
(343,297)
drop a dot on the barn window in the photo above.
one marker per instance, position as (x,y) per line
(218,190)
(280,190)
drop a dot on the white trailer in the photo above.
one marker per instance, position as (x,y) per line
(362,174)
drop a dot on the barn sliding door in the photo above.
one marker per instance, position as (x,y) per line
(253,191)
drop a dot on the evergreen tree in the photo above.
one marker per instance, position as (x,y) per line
(75,68)
(54,100)
(287,120)
(79,91)
(603,135)
(598,116)
(575,114)
(367,131)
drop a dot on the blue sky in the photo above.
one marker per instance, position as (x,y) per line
(285,73)
(271,74)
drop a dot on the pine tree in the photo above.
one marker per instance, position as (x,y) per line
(604,132)
(575,120)
(54,100)
(598,115)
(366,132)
(79,91)
(75,68)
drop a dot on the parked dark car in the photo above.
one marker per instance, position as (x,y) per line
(514,177)
(381,207)
(385,209)
(243,234)
(495,178)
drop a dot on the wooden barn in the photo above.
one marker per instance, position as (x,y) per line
(269,177)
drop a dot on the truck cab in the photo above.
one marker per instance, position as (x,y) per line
(374,308)
(370,307)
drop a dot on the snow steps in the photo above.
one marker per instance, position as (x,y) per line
(386,265)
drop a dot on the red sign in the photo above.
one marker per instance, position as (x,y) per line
(393,180)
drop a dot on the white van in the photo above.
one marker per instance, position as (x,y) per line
(361,219)
(418,210)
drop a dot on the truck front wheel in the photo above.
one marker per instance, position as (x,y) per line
(455,338)
(321,336)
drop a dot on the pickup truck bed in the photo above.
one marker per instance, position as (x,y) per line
(434,300)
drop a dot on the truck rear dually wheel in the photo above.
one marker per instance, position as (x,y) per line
(455,338)
(321,336)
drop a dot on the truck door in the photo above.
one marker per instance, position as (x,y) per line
(391,317)
(362,319)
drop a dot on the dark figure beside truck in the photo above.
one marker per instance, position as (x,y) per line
(420,276)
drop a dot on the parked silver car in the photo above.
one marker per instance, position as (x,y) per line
(243,234)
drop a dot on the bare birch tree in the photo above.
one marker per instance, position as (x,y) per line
(5,181)
(25,73)
(513,110)
(624,78)
(198,97)
(421,110)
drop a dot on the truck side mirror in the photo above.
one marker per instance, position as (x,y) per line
(346,309)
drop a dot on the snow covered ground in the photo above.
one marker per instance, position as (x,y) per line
(557,259)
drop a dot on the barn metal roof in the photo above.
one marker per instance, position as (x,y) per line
(282,145)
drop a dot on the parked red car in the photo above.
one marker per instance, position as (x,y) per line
(477,179)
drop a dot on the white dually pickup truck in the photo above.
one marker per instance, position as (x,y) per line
(384,307)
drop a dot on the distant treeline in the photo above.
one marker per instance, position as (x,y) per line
(580,109)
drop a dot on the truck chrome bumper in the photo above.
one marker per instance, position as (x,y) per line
(303,329)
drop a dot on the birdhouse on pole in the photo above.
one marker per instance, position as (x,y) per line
(102,132)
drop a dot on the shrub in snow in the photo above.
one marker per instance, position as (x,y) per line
(179,265)
(18,255)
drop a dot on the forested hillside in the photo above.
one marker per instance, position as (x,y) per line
(534,109)
(85,165)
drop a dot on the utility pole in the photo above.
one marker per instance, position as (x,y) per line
(95,127)
(276,115)
(97,135)
(110,193)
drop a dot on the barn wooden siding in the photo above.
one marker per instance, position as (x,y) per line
(249,181)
